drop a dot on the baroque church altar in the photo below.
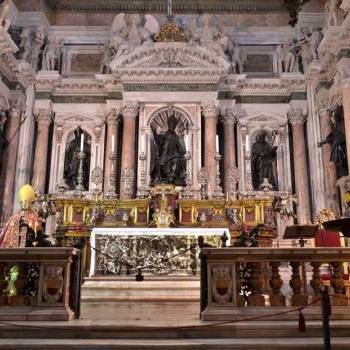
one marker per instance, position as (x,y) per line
(176,121)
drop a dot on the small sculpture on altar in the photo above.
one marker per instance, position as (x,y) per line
(79,144)
(338,142)
(168,163)
(264,160)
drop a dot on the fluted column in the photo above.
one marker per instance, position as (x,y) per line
(111,146)
(297,119)
(128,166)
(345,86)
(330,169)
(210,114)
(8,169)
(229,120)
(43,119)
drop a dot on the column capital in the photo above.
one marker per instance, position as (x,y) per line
(343,74)
(131,109)
(229,116)
(210,110)
(44,116)
(296,116)
(113,116)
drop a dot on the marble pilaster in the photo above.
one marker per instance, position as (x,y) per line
(330,169)
(43,119)
(229,120)
(297,120)
(8,168)
(129,113)
(111,147)
(210,113)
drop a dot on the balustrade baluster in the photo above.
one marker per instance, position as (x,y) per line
(296,283)
(276,283)
(338,283)
(316,282)
(256,298)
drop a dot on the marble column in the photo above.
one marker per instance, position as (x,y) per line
(210,113)
(345,86)
(8,169)
(111,147)
(229,120)
(297,119)
(330,169)
(43,119)
(128,166)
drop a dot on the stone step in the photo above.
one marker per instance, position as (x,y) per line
(248,330)
(173,344)
(151,289)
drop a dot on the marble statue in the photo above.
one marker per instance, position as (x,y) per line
(303,44)
(38,42)
(72,161)
(263,161)
(209,36)
(5,22)
(125,37)
(107,55)
(332,12)
(291,57)
(168,163)
(26,44)
(52,53)
(315,40)
(238,58)
(338,142)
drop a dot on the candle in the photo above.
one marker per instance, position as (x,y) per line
(246,142)
(186,143)
(112,143)
(82,142)
(217,143)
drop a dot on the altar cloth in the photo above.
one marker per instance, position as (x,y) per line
(136,231)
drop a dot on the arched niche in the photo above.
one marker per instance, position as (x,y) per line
(77,150)
(155,116)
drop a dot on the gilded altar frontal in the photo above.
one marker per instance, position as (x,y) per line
(174,151)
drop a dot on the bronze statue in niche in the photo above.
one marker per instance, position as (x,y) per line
(72,160)
(168,162)
(337,141)
(264,163)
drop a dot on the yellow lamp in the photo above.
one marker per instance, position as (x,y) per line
(26,196)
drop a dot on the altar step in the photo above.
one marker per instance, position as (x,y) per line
(152,289)
(178,344)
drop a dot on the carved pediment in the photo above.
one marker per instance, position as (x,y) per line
(168,59)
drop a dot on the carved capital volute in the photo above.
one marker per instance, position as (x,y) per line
(210,110)
(130,110)
(296,116)
(113,117)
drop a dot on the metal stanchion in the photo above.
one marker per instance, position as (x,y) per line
(326,312)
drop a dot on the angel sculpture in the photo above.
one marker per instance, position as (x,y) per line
(26,44)
(332,12)
(208,36)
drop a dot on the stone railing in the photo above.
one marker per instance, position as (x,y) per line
(39,284)
(237,283)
